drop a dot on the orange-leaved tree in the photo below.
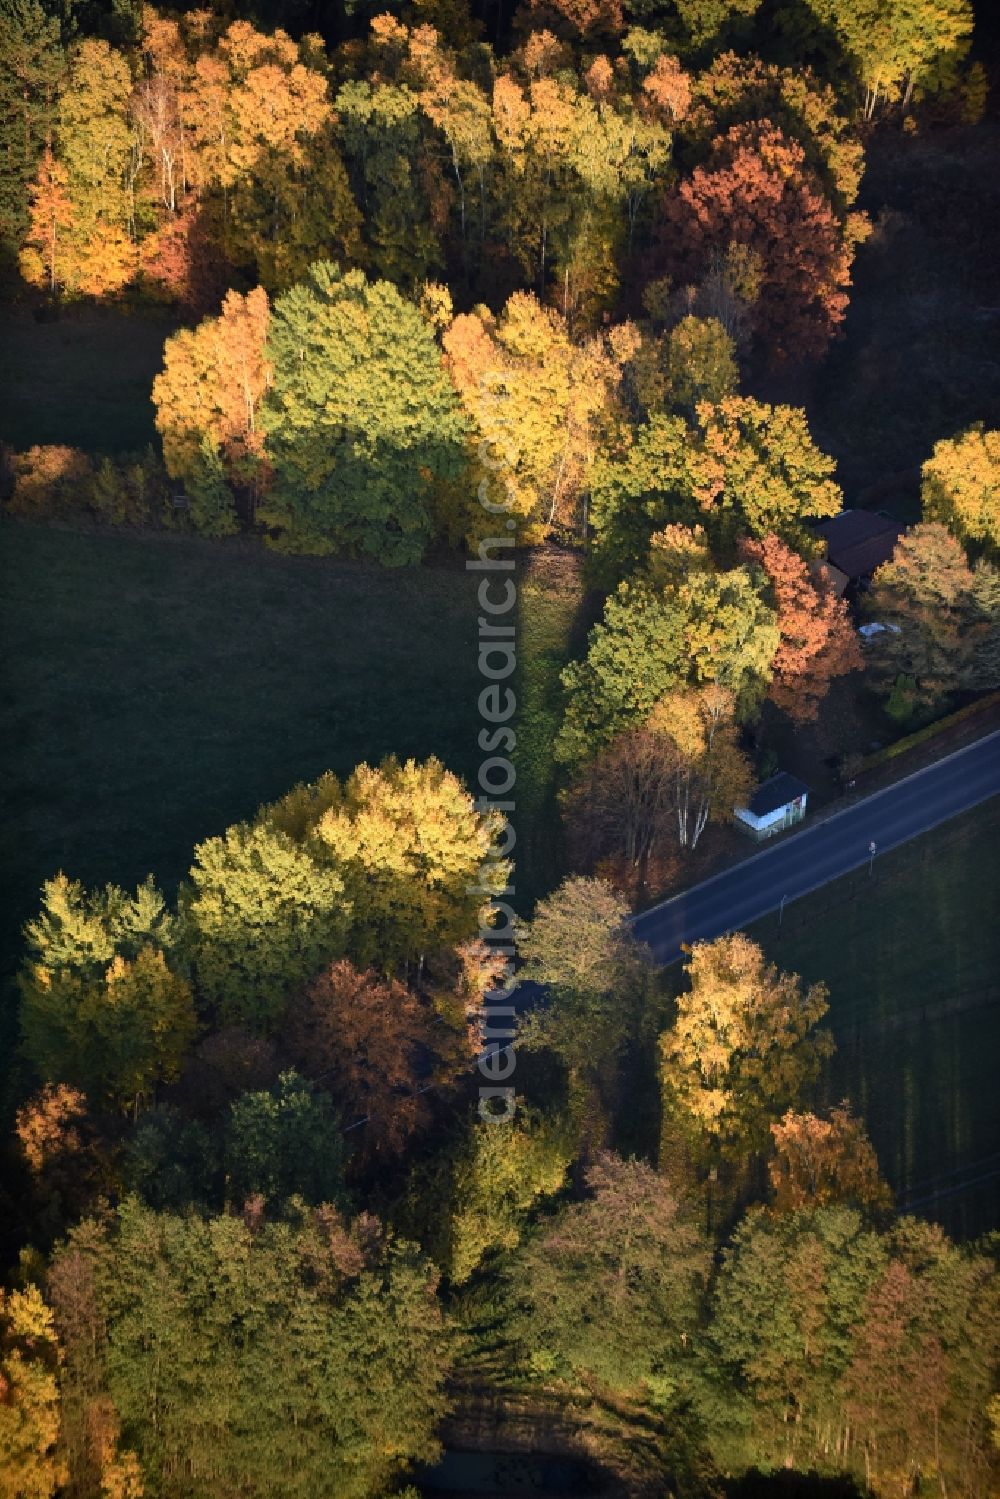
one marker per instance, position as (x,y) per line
(45,258)
(821,1161)
(758,191)
(368,1041)
(81,236)
(817,641)
(207,399)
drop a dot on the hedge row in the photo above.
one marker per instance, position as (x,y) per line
(920,736)
(56,483)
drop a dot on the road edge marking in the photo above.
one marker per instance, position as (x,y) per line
(824,822)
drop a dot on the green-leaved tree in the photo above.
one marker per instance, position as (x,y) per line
(361,419)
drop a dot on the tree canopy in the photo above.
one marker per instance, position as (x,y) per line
(208,401)
(941,618)
(817,641)
(31,1465)
(742,469)
(360,419)
(743,1046)
(368,1041)
(705,626)
(961,487)
(101,1009)
(416,860)
(610,1289)
(181,1322)
(261,914)
(531,299)
(757,190)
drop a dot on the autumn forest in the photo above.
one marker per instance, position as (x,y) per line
(458,460)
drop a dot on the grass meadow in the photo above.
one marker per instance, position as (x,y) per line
(158,688)
(83,380)
(912,961)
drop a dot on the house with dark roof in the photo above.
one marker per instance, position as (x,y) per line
(858,542)
(828,576)
(777,804)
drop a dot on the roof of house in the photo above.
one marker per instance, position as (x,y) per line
(776,792)
(831,576)
(859,541)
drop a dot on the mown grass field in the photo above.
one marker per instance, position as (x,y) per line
(83,380)
(158,688)
(912,961)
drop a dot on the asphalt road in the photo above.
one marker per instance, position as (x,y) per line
(802,861)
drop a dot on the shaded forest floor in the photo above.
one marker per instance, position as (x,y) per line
(919,357)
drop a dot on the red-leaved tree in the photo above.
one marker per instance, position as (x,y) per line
(368,1041)
(817,641)
(756,190)
(181,263)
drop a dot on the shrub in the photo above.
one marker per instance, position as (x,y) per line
(55,483)
(901,704)
(50,483)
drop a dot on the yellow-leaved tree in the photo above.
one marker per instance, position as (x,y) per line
(538,401)
(961,487)
(898,47)
(415,855)
(30,1464)
(207,399)
(710,775)
(742,1049)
